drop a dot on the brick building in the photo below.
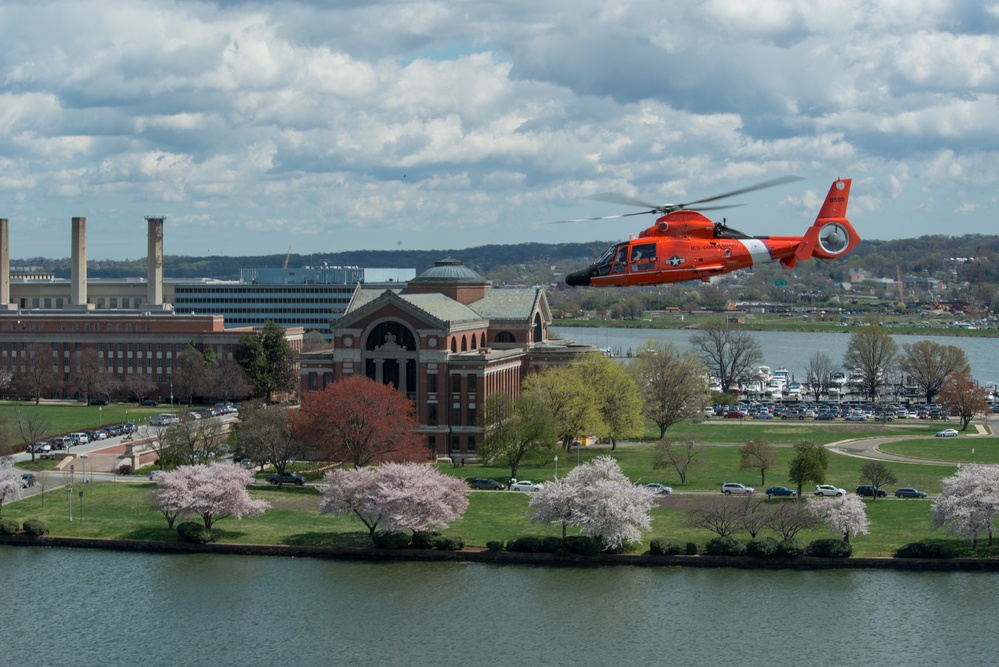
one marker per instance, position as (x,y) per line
(446,340)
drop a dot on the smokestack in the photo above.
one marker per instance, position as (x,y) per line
(78,264)
(154,266)
(4,263)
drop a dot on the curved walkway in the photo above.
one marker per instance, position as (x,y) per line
(869,448)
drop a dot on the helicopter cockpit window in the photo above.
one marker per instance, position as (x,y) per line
(603,265)
(621,259)
(643,257)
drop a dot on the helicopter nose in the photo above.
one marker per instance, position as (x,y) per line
(578,278)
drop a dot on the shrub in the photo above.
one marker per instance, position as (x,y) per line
(527,545)
(125,469)
(692,549)
(725,546)
(664,547)
(830,548)
(581,545)
(192,531)
(925,550)
(445,543)
(35,527)
(762,548)
(790,548)
(551,544)
(424,540)
(9,527)
(391,540)
(495,545)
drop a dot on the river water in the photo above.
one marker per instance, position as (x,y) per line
(68,607)
(790,350)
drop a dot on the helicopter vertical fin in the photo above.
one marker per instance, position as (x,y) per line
(831,235)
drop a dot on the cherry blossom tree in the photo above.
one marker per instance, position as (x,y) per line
(212,492)
(10,482)
(600,500)
(395,497)
(843,515)
(969,502)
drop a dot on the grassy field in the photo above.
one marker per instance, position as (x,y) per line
(63,418)
(121,510)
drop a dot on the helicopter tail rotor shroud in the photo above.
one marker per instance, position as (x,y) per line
(832,235)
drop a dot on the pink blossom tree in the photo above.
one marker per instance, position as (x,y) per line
(600,500)
(969,502)
(843,515)
(10,482)
(395,497)
(213,492)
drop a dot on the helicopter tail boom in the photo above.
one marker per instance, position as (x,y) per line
(831,235)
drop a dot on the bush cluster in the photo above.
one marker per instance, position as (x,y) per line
(692,549)
(495,545)
(526,545)
(725,546)
(582,545)
(192,531)
(762,548)
(830,548)
(424,540)
(790,548)
(445,543)
(925,550)
(391,540)
(664,547)
(9,527)
(35,527)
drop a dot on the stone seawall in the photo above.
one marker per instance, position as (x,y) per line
(473,555)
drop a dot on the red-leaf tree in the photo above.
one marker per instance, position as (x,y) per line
(360,421)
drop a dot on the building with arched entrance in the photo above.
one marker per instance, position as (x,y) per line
(447,339)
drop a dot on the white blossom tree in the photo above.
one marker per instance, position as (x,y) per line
(213,492)
(969,502)
(10,482)
(600,500)
(395,497)
(843,515)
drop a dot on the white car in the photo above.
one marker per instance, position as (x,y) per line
(525,485)
(947,433)
(728,488)
(659,488)
(829,490)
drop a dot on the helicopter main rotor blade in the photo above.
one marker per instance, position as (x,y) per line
(602,217)
(618,198)
(751,188)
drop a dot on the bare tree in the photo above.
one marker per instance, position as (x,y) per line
(89,373)
(191,374)
(728,353)
(719,514)
(874,353)
(264,435)
(36,375)
(877,474)
(229,381)
(32,426)
(681,455)
(819,371)
(787,519)
(757,454)
(138,386)
(928,364)
(196,441)
(755,514)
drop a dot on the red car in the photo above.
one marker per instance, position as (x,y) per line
(735,414)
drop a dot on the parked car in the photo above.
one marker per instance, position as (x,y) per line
(659,488)
(486,484)
(40,447)
(27,479)
(735,414)
(763,414)
(780,491)
(825,416)
(829,490)
(98,401)
(908,492)
(525,485)
(155,473)
(947,433)
(148,402)
(868,491)
(285,478)
(856,417)
(728,488)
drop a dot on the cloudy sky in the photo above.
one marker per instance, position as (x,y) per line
(327,126)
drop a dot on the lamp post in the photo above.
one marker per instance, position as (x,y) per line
(69,501)
(556,467)
(84,457)
(100,415)
(171,395)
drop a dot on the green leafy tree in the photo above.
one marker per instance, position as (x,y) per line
(808,465)
(516,431)
(673,384)
(268,360)
(575,406)
(619,401)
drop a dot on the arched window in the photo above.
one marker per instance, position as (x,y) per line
(482,340)
(537,328)
(505,337)
(464,344)
(454,345)
(475,345)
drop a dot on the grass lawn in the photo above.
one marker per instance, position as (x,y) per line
(64,418)
(965,450)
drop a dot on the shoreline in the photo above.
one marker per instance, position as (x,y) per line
(485,556)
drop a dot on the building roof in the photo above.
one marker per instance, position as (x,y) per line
(449,270)
(507,303)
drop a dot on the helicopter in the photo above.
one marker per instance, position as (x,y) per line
(685,245)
